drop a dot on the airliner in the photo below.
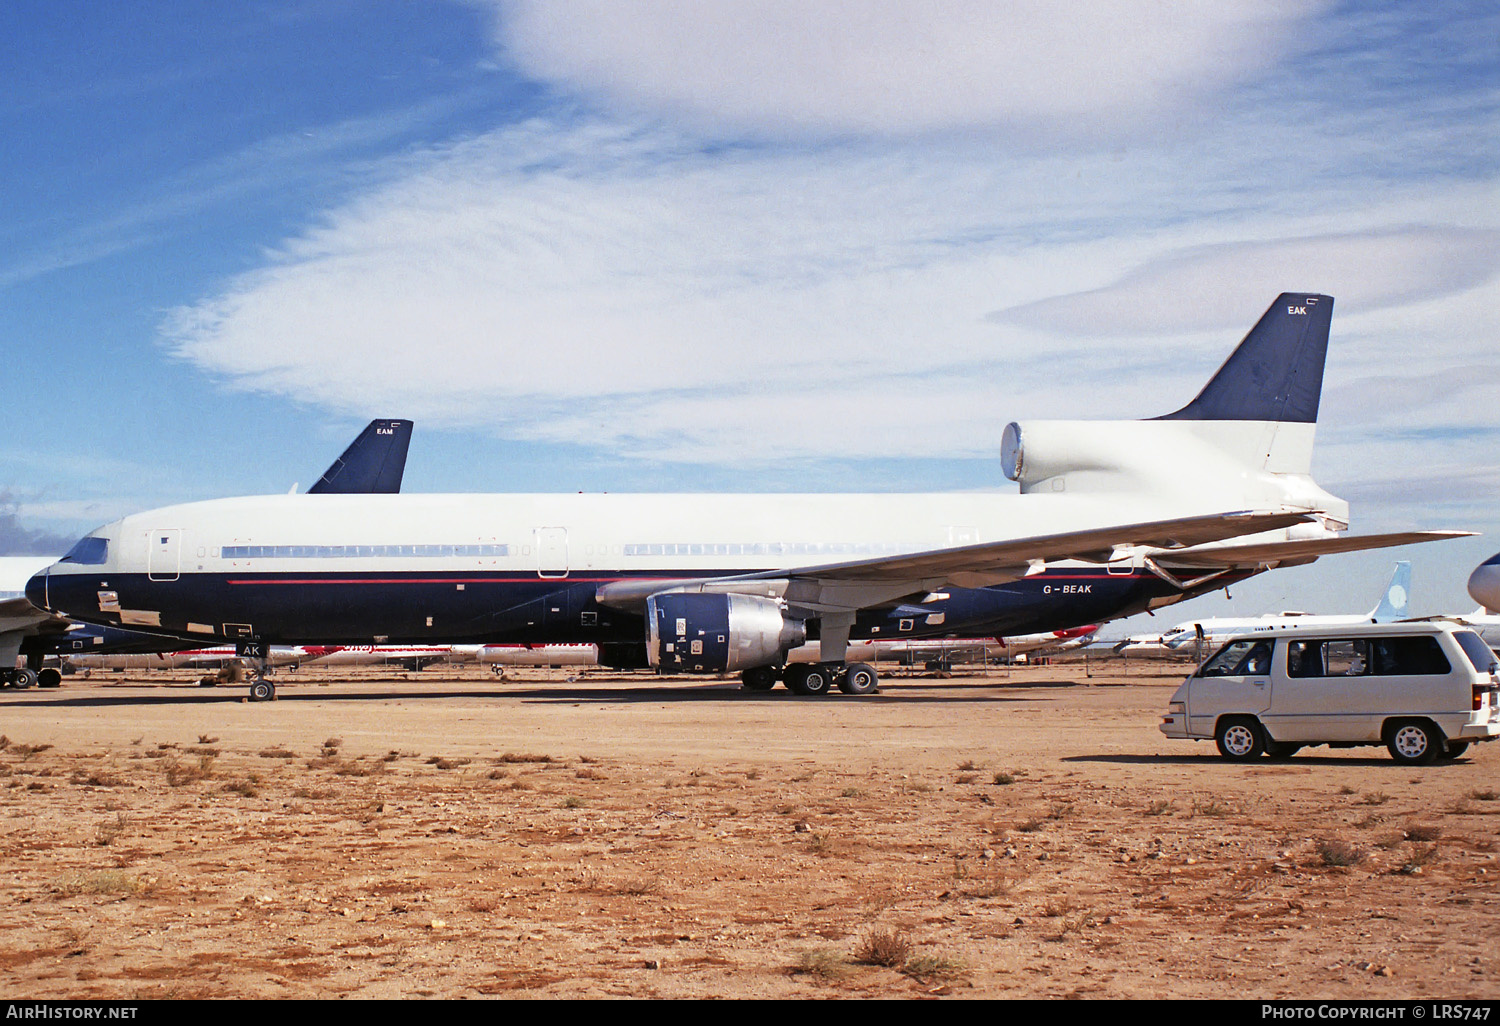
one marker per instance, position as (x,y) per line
(373,463)
(1484,584)
(1105,525)
(22,621)
(1194,639)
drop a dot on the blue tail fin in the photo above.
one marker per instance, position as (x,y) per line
(1276,373)
(1397,594)
(374,463)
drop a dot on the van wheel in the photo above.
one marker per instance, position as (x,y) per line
(1239,739)
(1454,750)
(1414,743)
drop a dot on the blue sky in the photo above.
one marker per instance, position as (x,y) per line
(759,246)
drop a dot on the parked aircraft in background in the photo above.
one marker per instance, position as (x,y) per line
(1484,623)
(373,463)
(21,622)
(1194,639)
(411,657)
(906,651)
(937,652)
(1106,525)
(193,659)
(1484,584)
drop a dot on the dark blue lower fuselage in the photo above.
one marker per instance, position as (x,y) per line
(492,607)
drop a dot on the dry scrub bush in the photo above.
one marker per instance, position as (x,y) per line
(890,948)
(1334,851)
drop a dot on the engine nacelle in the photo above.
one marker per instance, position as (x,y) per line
(1052,455)
(689,632)
(1247,464)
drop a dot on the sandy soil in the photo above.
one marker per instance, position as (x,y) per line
(1028,834)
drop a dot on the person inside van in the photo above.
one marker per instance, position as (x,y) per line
(1304,659)
(1239,659)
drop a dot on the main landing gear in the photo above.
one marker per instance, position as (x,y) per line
(31,677)
(815,678)
(25,677)
(259,655)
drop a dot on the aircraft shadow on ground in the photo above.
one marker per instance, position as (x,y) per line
(970,690)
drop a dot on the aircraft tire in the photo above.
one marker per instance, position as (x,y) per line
(859,679)
(262,691)
(52,678)
(759,678)
(25,678)
(809,679)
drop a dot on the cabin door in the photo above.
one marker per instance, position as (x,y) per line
(552,551)
(164,563)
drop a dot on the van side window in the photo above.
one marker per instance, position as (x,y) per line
(1422,656)
(1304,659)
(1360,657)
(1346,658)
(1239,659)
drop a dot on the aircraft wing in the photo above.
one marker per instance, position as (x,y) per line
(1220,557)
(18,614)
(863,583)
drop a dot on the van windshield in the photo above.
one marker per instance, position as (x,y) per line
(1239,659)
(1479,654)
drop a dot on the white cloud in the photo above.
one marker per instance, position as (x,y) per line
(637,293)
(900,66)
(1203,286)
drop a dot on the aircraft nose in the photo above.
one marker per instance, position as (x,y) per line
(36,590)
(1484,583)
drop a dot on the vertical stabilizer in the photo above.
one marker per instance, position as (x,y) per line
(1276,372)
(1397,594)
(374,463)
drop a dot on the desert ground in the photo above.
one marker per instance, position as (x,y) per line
(1013,833)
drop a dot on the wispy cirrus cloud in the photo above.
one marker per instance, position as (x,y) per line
(1200,287)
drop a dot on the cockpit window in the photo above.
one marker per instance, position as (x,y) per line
(91,551)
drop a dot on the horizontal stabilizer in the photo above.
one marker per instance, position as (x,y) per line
(1221,557)
(374,464)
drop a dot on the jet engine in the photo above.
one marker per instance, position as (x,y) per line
(1052,455)
(697,633)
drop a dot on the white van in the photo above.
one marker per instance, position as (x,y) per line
(1425,690)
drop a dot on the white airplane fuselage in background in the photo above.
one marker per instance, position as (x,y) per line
(1484,584)
(1194,639)
(1105,525)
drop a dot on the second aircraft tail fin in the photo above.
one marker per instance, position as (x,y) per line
(373,464)
(1393,604)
